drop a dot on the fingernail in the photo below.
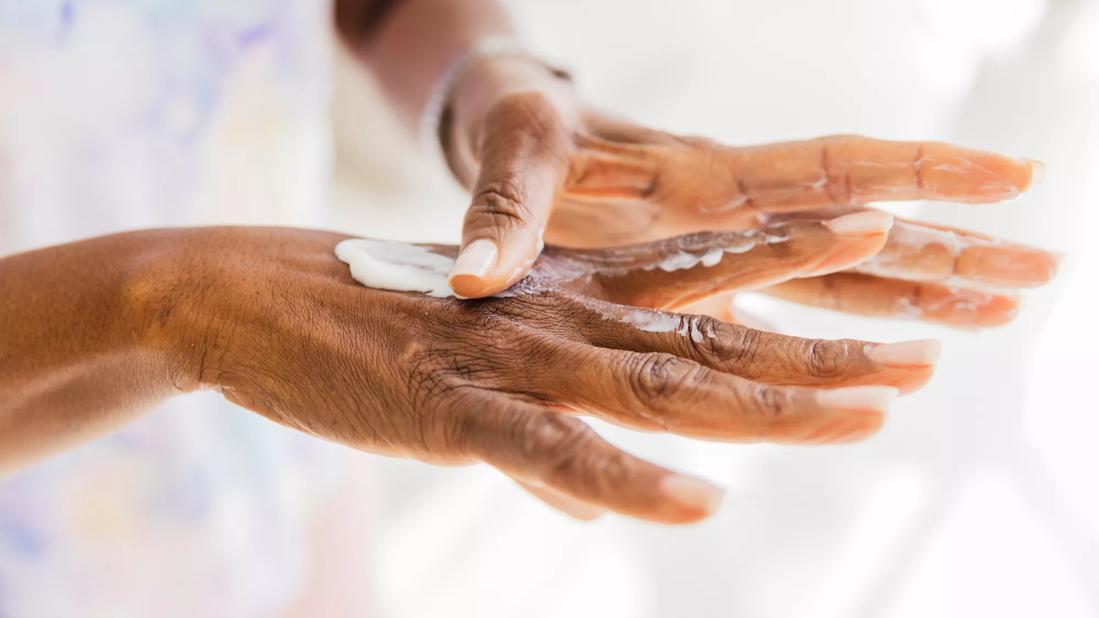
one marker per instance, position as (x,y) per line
(906,353)
(692,493)
(858,398)
(864,223)
(475,260)
(1059,258)
(1037,172)
(1007,266)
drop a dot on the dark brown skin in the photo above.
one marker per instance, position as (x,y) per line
(97,330)
(92,333)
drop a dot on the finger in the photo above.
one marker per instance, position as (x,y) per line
(875,296)
(549,449)
(524,160)
(562,502)
(663,392)
(685,269)
(763,356)
(852,170)
(922,252)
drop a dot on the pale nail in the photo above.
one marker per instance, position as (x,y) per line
(692,493)
(875,398)
(864,223)
(906,353)
(1059,258)
(1037,172)
(475,260)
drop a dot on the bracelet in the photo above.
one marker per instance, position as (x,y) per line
(436,118)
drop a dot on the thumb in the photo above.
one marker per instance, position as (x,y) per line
(524,162)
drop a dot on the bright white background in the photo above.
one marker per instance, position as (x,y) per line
(978,497)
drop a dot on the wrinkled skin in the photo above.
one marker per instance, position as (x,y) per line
(537,159)
(497,380)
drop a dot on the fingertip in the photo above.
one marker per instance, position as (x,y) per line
(485,267)
(1007,266)
(470,286)
(861,235)
(1037,173)
(866,398)
(906,365)
(903,354)
(998,311)
(697,499)
(973,176)
(1018,175)
(865,223)
(470,274)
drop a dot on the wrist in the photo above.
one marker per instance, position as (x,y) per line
(171,295)
(205,293)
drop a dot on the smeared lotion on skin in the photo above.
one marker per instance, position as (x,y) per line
(398,266)
(404,267)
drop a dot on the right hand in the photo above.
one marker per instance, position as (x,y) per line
(537,158)
(272,320)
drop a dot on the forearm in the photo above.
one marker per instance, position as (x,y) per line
(75,360)
(416,41)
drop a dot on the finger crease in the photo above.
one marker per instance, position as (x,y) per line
(917,167)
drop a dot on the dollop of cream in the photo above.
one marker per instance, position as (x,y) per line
(397,266)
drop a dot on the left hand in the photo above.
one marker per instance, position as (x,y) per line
(540,163)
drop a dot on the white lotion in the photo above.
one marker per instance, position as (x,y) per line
(741,243)
(397,266)
(651,321)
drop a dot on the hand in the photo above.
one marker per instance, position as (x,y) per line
(537,159)
(273,321)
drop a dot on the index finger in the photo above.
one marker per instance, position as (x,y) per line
(676,271)
(523,163)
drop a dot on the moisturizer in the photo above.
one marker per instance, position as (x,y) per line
(398,266)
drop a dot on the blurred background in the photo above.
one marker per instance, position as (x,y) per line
(977,498)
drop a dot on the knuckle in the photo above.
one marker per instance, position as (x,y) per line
(712,340)
(662,377)
(824,358)
(553,440)
(767,402)
(561,448)
(610,472)
(743,347)
(502,201)
(533,110)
